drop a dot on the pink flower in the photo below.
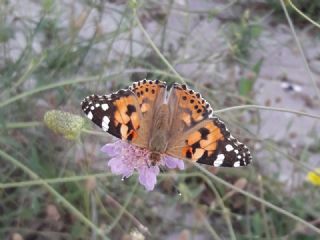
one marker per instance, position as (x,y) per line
(125,158)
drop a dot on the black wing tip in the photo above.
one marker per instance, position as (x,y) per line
(236,154)
(88,100)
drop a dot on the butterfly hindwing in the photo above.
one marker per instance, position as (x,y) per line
(117,114)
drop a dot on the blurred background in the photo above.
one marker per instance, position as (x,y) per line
(247,52)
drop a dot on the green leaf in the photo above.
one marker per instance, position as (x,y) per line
(256,68)
(256,31)
(47,5)
(257,224)
(245,86)
(246,83)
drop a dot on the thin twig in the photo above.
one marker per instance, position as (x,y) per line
(139,225)
(59,197)
(21,125)
(306,65)
(75,179)
(122,208)
(155,48)
(269,109)
(250,195)
(302,14)
(225,210)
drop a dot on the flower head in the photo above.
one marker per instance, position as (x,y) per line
(314,177)
(125,158)
(67,124)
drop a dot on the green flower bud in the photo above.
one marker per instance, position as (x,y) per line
(67,124)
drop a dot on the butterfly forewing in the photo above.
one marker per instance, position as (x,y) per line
(117,114)
(127,114)
(150,95)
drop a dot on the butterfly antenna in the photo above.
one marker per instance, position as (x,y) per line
(147,163)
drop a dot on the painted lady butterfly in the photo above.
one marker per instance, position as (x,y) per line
(178,123)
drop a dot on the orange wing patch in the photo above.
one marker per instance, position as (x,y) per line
(196,108)
(126,117)
(117,113)
(147,92)
(203,142)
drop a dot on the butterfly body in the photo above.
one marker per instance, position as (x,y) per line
(160,130)
(176,122)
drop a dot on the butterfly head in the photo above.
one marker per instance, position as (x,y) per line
(155,158)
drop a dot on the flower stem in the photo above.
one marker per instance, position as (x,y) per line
(123,208)
(155,48)
(53,180)
(306,65)
(21,125)
(59,197)
(269,109)
(302,14)
(250,195)
(225,210)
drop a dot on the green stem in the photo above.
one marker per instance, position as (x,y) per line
(53,180)
(306,65)
(71,82)
(262,201)
(122,208)
(302,14)
(59,197)
(225,210)
(155,48)
(44,88)
(269,109)
(21,125)
(76,178)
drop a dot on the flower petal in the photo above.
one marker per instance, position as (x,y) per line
(148,176)
(314,177)
(172,162)
(118,167)
(125,158)
(111,149)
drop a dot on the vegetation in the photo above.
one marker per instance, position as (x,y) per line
(54,183)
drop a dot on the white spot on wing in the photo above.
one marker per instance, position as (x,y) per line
(219,160)
(236,164)
(105,107)
(229,148)
(92,108)
(97,104)
(105,123)
(89,115)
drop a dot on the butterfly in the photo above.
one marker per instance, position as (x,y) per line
(177,122)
